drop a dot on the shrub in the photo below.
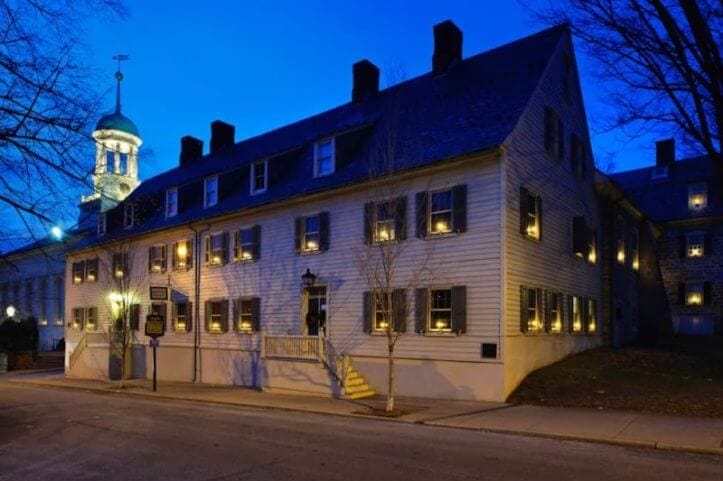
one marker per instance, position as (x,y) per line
(18,335)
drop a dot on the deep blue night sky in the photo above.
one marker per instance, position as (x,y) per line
(260,67)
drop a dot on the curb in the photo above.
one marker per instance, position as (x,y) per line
(655,445)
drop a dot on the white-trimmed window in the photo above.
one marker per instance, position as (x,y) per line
(217,316)
(324,157)
(259,176)
(157,258)
(695,244)
(128,216)
(102,224)
(120,265)
(530,309)
(78,272)
(182,320)
(91,321)
(440,212)
(553,312)
(575,313)
(384,222)
(91,270)
(591,316)
(245,317)
(530,214)
(171,202)
(183,254)
(210,191)
(244,244)
(693,293)
(311,233)
(381,313)
(78,316)
(440,310)
(697,196)
(217,249)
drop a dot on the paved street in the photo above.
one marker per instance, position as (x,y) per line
(56,434)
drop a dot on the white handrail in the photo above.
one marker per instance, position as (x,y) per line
(78,350)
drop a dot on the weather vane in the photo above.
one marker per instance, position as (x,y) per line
(119,76)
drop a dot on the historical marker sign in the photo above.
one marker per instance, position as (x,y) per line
(155,326)
(159,293)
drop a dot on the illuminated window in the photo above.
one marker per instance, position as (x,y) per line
(697,196)
(210,191)
(182,320)
(216,316)
(78,318)
(620,240)
(217,249)
(384,223)
(245,316)
(159,309)
(311,233)
(591,316)
(91,270)
(440,212)
(530,214)
(635,248)
(695,244)
(575,313)
(245,244)
(171,202)
(440,312)
(128,216)
(324,157)
(259,177)
(553,312)
(120,265)
(183,255)
(157,258)
(91,318)
(530,309)
(102,223)
(382,312)
(78,272)
(694,294)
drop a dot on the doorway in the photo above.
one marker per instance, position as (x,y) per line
(315,312)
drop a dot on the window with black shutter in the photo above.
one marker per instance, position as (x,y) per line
(183,254)
(385,221)
(159,309)
(246,244)
(120,265)
(217,316)
(78,272)
(78,318)
(312,233)
(134,316)
(217,249)
(553,312)
(442,212)
(530,309)
(91,270)
(182,316)
(530,215)
(157,258)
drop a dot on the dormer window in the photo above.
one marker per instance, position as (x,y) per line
(128,216)
(324,157)
(259,176)
(210,191)
(171,202)
(101,224)
(697,196)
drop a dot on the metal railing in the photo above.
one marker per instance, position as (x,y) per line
(299,348)
(335,362)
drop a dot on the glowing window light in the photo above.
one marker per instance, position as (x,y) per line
(57,232)
(11,311)
(694,299)
(621,256)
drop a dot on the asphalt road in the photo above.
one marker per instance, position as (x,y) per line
(74,435)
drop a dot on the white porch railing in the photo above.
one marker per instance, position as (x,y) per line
(79,348)
(306,348)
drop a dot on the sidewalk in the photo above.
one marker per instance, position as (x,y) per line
(698,435)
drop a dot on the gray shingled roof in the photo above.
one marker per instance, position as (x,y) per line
(471,108)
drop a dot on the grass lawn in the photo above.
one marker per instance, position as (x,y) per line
(677,382)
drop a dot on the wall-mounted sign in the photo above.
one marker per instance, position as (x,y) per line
(159,293)
(155,326)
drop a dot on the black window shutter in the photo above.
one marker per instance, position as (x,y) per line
(323,231)
(164,251)
(236,311)
(134,316)
(579,231)
(174,255)
(523,308)
(682,245)
(256,314)
(236,245)
(459,208)
(400,218)
(369,208)
(224,244)
(421,299)
(422,206)
(224,315)
(190,254)
(560,140)
(548,310)
(708,244)
(256,249)
(207,315)
(570,313)
(208,250)
(584,313)
(459,309)
(164,312)
(681,293)
(399,310)
(189,316)
(706,293)
(538,199)
(523,211)
(368,306)
(298,233)
(150,259)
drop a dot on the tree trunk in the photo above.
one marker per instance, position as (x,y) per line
(390,384)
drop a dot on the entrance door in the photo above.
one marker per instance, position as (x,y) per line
(316,312)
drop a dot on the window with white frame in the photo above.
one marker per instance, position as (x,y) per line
(91,270)
(210,191)
(440,310)
(245,319)
(440,212)
(575,313)
(693,293)
(216,316)
(530,218)
(259,176)
(531,309)
(384,228)
(382,311)
(697,196)
(311,233)
(591,316)
(244,244)
(157,258)
(128,216)
(216,249)
(183,254)
(182,320)
(695,244)
(102,224)
(78,272)
(78,318)
(171,202)
(553,312)
(324,157)
(120,265)
(91,321)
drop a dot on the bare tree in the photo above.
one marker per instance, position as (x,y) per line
(47,105)
(659,59)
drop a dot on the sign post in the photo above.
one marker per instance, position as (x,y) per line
(155,328)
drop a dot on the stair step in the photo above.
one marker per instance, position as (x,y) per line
(355,381)
(362,394)
(357,388)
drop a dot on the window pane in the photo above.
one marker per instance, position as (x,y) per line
(440,318)
(442,201)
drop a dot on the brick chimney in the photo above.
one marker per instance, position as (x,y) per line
(366,80)
(664,152)
(222,135)
(191,149)
(447,46)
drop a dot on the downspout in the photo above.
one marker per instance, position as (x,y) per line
(197,298)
